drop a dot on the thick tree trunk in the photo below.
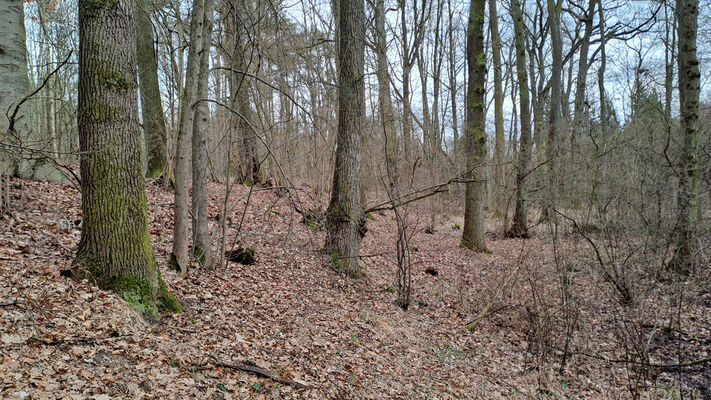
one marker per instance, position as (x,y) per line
(519,227)
(689,88)
(201,229)
(500,142)
(179,255)
(474,224)
(115,249)
(345,220)
(151,107)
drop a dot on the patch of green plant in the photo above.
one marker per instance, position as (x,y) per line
(456,227)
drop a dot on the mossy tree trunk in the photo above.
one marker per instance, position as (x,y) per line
(201,229)
(473,232)
(345,220)
(151,107)
(179,256)
(115,249)
(519,227)
(689,87)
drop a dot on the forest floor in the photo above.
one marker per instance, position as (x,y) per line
(291,314)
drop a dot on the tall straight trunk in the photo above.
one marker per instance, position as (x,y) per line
(670,43)
(500,141)
(115,249)
(689,88)
(437,59)
(604,158)
(555,103)
(519,227)
(406,67)
(241,99)
(201,229)
(151,107)
(474,224)
(179,255)
(384,100)
(452,72)
(579,121)
(344,216)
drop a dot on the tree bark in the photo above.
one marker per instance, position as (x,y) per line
(18,156)
(519,227)
(500,142)
(151,106)
(115,249)
(474,224)
(689,88)
(201,229)
(384,99)
(579,116)
(250,160)
(179,255)
(345,220)
(555,104)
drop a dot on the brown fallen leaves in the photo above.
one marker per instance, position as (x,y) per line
(289,314)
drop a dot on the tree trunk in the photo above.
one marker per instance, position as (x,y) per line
(689,87)
(406,66)
(579,120)
(201,229)
(384,100)
(179,256)
(16,146)
(151,107)
(250,159)
(555,104)
(115,249)
(500,141)
(519,227)
(604,157)
(345,220)
(453,79)
(474,224)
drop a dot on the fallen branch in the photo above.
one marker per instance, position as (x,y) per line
(251,368)
(641,363)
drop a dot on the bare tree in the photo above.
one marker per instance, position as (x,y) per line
(519,227)
(345,219)
(500,142)
(179,255)
(689,88)
(201,229)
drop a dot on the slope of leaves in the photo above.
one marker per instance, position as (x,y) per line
(291,314)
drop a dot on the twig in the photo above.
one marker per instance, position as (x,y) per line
(249,367)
